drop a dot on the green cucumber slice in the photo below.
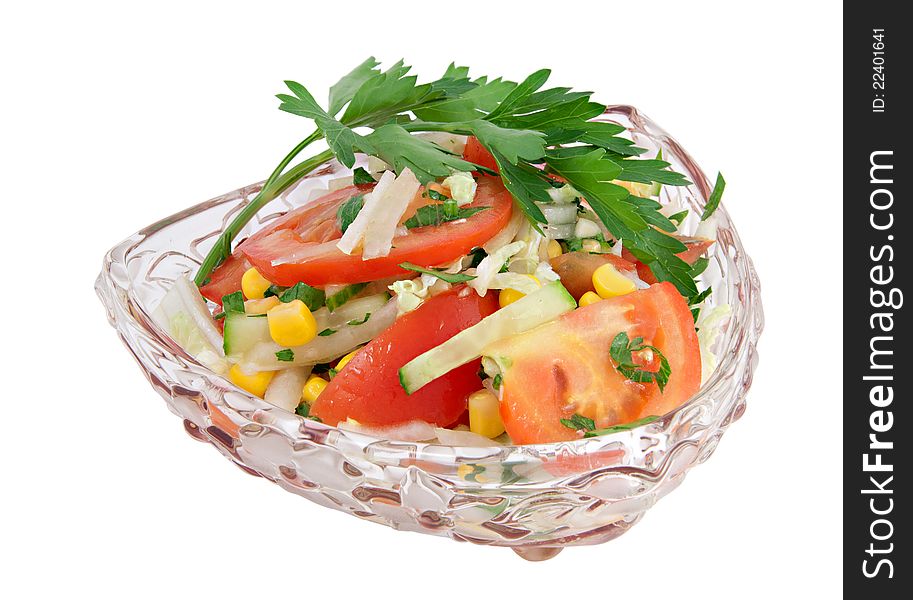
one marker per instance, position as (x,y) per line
(541,306)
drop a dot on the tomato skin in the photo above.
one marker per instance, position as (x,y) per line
(368,388)
(576,269)
(677,340)
(475,152)
(323,263)
(564,367)
(226,279)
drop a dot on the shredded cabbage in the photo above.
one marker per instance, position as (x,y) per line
(462,187)
(709,324)
(566,193)
(491,266)
(410,293)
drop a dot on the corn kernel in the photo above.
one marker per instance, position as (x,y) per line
(313,388)
(485,414)
(260,306)
(253,284)
(256,384)
(291,324)
(345,359)
(509,296)
(608,282)
(589,298)
(554,249)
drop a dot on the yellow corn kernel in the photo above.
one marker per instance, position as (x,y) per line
(554,249)
(589,298)
(345,359)
(485,414)
(260,306)
(313,388)
(509,296)
(291,324)
(256,384)
(253,284)
(608,282)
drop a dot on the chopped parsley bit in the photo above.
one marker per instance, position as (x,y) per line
(233,303)
(361,177)
(435,195)
(448,277)
(622,350)
(218,316)
(588,426)
(361,321)
(348,210)
(679,217)
(312,297)
(496,381)
(478,255)
(435,214)
(286,355)
(304,410)
(274,290)
(713,202)
(578,422)
(574,244)
(327,332)
(331,373)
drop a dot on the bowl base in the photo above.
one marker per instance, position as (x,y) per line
(538,553)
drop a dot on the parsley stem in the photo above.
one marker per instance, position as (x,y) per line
(272,187)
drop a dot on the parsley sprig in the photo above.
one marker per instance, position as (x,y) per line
(534,133)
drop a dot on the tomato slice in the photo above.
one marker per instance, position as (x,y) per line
(285,257)
(576,269)
(313,222)
(564,367)
(368,388)
(696,249)
(475,152)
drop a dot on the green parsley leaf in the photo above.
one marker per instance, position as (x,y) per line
(303,410)
(233,303)
(340,138)
(362,177)
(622,351)
(698,298)
(361,321)
(699,266)
(715,196)
(326,332)
(435,214)
(578,422)
(519,94)
(478,255)
(286,355)
(397,147)
(485,96)
(621,427)
(448,277)
(526,185)
(679,217)
(344,295)
(312,297)
(348,210)
(343,90)
(435,195)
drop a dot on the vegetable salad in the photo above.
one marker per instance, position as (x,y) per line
(499,271)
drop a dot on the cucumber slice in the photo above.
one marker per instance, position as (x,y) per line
(539,307)
(242,332)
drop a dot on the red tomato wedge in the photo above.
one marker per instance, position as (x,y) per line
(564,367)
(285,257)
(314,222)
(368,388)
(696,249)
(475,152)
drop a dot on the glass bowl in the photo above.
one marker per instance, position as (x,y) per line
(535,499)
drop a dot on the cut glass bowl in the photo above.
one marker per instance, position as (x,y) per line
(535,499)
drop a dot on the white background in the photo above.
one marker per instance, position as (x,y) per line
(114,116)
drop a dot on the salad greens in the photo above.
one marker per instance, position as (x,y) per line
(534,134)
